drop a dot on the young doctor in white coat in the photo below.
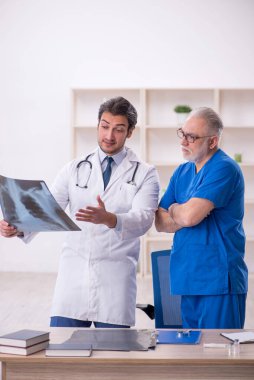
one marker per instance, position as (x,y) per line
(114,202)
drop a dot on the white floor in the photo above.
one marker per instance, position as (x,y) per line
(25,300)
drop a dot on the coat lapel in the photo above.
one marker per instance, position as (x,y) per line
(124,167)
(97,178)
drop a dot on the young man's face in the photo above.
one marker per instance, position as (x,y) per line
(198,150)
(112,132)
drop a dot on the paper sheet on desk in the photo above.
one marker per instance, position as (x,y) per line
(30,207)
(242,336)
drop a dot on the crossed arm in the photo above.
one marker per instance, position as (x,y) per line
(188,214)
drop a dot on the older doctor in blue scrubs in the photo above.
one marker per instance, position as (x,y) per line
(204,206)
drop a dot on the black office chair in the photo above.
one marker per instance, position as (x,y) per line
(167,307)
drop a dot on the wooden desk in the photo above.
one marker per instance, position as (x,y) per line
(166,362)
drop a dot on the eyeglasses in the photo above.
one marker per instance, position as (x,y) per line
(188,136)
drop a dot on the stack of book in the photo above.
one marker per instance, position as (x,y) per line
(24,342)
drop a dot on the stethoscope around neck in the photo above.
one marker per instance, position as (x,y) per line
(87,161)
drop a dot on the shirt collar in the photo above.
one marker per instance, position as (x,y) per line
(118,157)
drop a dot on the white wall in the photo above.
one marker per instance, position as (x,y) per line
(50,46)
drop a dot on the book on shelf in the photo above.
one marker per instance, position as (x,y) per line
(24,338)
(69,349)
(242,336)
(24,350)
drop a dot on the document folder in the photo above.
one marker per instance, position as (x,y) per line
(178,337)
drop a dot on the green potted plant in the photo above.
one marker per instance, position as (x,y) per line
(182,111)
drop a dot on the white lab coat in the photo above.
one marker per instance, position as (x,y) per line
(97,274)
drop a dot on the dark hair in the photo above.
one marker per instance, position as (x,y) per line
(120,106)
(212,119)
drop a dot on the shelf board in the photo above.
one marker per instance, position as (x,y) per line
(77,126)
(246,164)
(169,238)
(175,164)
(170,126)
(164,127)
(82,90)
(249,201)
(85,126)
(165,164)
(155,238)
(239,126)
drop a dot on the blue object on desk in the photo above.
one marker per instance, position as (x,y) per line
(167,306)
(177,337)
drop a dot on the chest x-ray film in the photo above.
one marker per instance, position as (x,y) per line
(30,207)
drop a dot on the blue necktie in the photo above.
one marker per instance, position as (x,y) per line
(107,172)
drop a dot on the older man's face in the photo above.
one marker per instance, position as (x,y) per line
(198,150)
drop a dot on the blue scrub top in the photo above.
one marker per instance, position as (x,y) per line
(208,259)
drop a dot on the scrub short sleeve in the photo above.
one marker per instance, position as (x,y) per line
(218,185)
(169,195)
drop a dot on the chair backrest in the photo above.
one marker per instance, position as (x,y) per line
(167,306)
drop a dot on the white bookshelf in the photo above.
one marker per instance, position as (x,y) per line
(155,140)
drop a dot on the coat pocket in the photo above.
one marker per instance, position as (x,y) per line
(125,197)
